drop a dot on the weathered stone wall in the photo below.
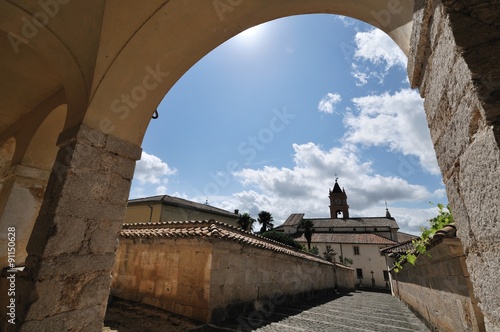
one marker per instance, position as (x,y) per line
(454,61)
(242,274)
(206,279)
(173,274)
(438,289)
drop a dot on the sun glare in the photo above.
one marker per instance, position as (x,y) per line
(251,35)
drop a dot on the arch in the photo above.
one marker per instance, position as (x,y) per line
(42,27)
(27,174)
(7,150)
(129,87)
(42,149)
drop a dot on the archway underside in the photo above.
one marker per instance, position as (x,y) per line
(124,48)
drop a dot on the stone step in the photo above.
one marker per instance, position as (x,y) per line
(358,311)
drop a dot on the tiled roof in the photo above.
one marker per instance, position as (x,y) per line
(448,231)
(355,222)
(176,201)
(404,237)
(209,229)
(400,248)
(294,219)
(360,238)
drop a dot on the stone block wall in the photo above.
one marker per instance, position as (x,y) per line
(208,279)
(438,289)
(173,274)
(242,274)
(453,61)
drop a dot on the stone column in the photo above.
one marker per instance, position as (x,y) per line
(72,248)
(463,132)
(20,199)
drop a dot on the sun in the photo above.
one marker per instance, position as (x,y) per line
(251,35)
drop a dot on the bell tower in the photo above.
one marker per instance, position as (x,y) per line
(338,202)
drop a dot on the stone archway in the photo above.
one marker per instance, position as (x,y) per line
(134,52)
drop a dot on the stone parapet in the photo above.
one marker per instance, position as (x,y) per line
(438,289)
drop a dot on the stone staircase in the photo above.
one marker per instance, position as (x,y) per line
(358,311)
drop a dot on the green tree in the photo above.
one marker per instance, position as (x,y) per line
(282,238)
(420,244)
(314,250)
(266,220)
(308,227)
(246,221)
(344,260)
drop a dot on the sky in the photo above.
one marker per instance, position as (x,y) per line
(269,119)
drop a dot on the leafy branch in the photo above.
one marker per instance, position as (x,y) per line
(420,244)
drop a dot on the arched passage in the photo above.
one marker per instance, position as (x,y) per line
(142,49)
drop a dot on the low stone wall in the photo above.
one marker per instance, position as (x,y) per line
(208,273)
(438,289)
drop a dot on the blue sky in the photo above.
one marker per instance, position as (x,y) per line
(270,118)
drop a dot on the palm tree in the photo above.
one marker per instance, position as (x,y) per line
(246,221)
(308,227)
(266,220)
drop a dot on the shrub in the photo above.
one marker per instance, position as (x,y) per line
(282,238)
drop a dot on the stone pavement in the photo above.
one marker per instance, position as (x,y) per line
(357,311)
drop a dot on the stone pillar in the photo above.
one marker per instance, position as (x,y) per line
(72,248)
(20,201)
(464,138)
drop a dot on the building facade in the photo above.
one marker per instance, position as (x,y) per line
(356,239)
(168,208)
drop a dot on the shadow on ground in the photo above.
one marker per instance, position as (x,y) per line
(269,315)
(128,316)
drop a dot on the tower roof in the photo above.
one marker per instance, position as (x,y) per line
(336,188)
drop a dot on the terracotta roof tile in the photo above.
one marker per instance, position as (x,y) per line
(210,229)
(361,238)
(448,231)
(294,219)
(355,222)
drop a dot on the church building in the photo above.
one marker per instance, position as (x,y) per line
(358,239)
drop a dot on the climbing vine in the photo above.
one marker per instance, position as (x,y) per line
(420,244)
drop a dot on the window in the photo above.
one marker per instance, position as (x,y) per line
(375,229)
(328,248)
(359,273)
(354,229)
(386,276)
(356,250)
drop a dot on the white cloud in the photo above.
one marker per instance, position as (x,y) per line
(397,121)
(346,20)
(327,103)
(376,48)
(151,169)
(304,188)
